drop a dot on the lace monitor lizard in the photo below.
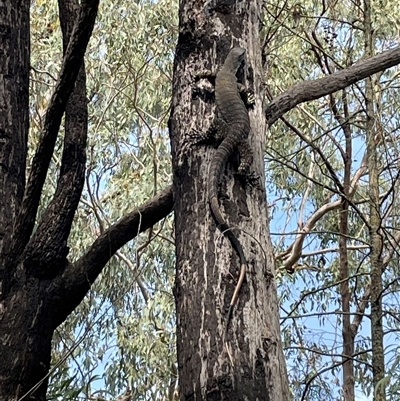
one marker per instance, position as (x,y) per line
(231,127)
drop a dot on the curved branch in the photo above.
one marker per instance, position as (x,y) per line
(297,246)
(294,251)
(311,90)
(72,285)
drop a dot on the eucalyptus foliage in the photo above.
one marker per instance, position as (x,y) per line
(122,335)
(308,40)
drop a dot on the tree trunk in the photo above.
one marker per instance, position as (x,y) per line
(251,365)
(26,333)
(348,333)
(25,342)
(30,308)
(378,360)
(14,117)
(375,221)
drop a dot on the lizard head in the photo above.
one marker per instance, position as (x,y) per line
(235,58)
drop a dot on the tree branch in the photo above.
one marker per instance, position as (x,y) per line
(311,90)
(48,246)
(72,285)
(69,71)
(294,251)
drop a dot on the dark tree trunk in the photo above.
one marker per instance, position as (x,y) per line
(26,333)
(14,118)
(29,312)
(207,266)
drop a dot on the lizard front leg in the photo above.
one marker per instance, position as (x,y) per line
(247,96)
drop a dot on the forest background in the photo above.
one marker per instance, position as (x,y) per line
(122,336)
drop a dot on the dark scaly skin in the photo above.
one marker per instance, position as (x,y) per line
(232,125)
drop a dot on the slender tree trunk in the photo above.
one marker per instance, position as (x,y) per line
(348,332)
(378,360)
(207,266)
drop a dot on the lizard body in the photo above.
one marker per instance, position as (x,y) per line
(232,125)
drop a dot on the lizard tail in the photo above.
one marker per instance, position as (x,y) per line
(226,230)
(219,161)
(217,164)
(235,297)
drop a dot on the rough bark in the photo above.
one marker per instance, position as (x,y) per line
(27,312)
(48,245)
(65,85)
(207,266)
(375,221)
(14,118)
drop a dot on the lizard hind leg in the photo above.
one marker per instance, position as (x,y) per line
(213,136)
(246,156)
(246,160)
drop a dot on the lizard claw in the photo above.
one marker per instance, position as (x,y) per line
(249,98)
